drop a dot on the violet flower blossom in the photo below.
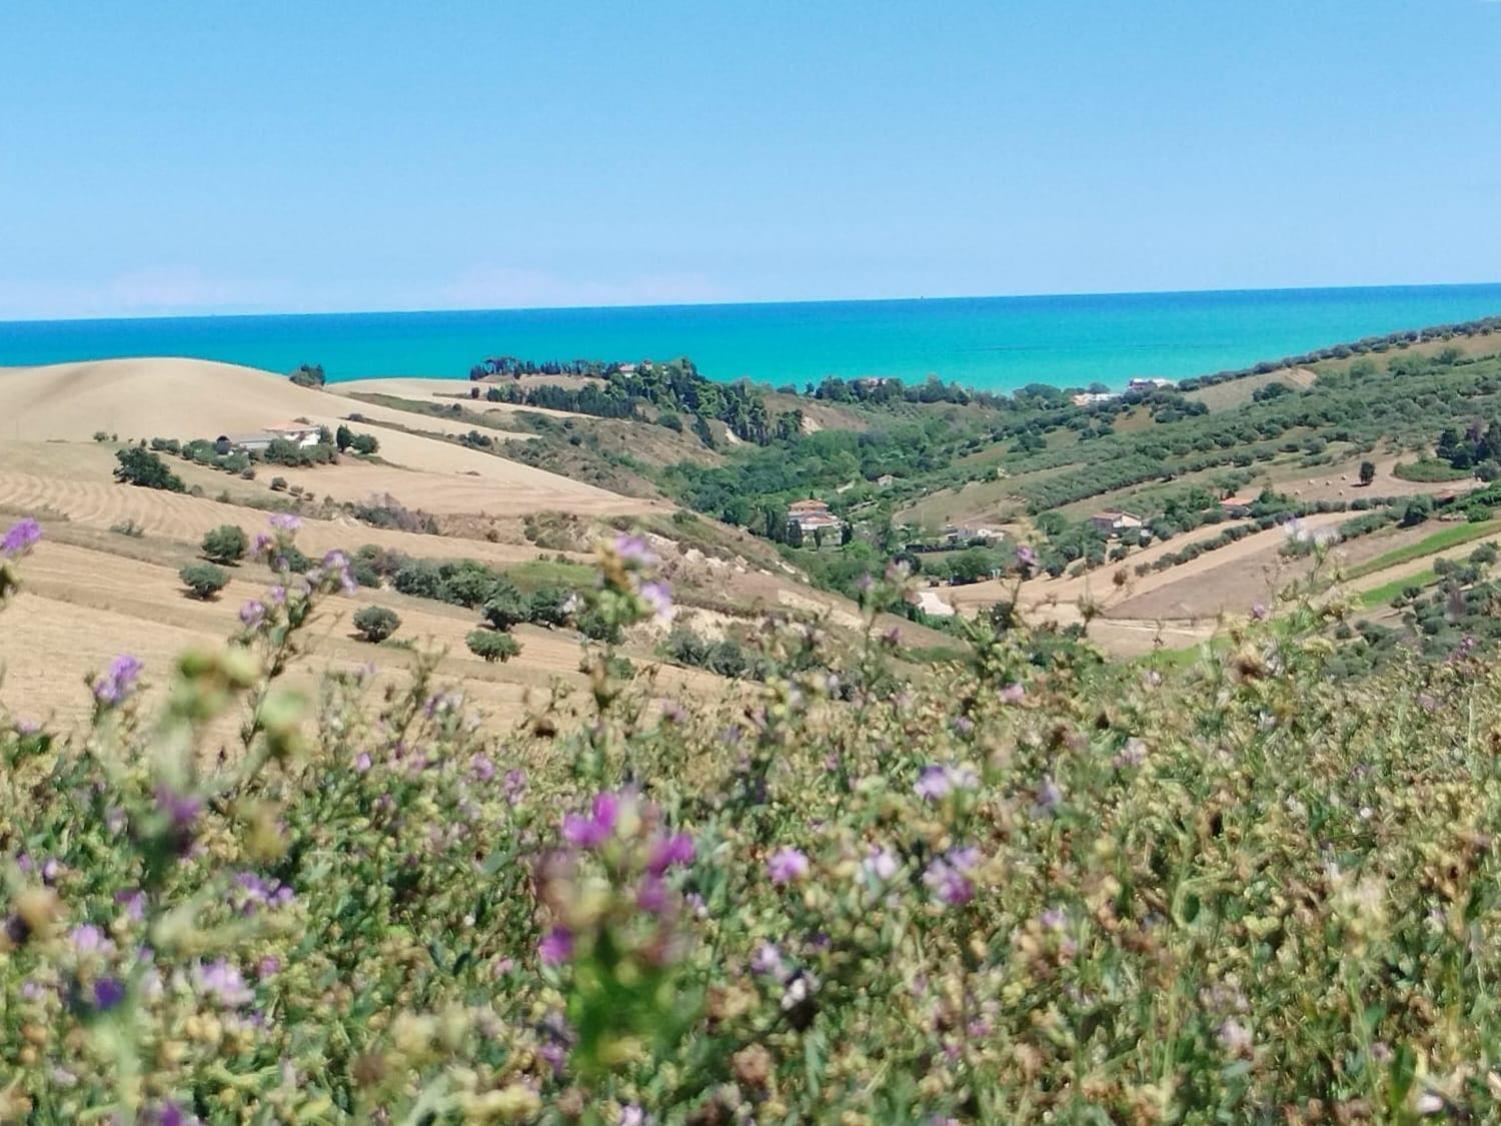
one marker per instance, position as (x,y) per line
(119,681)
(20,538)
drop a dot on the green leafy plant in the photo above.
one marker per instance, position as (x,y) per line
(376,623)
(225,544)
(492,645)
(203,580)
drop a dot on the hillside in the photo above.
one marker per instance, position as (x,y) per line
(113,551)
(1080,892)
(631,794)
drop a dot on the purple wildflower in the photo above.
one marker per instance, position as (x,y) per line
(223,983)
(932,783)
(673,850)
(1235,1037)
(880,864)
(658,598)
(253,613)
(257,892)
(1013,694)
(134,902)
(362,762)
(482,768)
(767,960)
(787,865)
(108,992)
(651,896)
(634,551)
(594,830)
(1049,796)
(946,879)
(171,1114)
(555,1056)
(556,946)
(286,522)
(181,809)
(337,563)
(1026,558)
(88,939)
(119,681)
(20,538)
(1258,611)
(269,966)
(1134,753)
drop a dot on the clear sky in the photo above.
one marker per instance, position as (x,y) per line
(204,156)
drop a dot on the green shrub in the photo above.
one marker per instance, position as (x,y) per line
(505,607)
(492,645)
(308,375)
(549,606)
(203,580)
(464,584)
(1429,470)
(225,544)
(376,623)
(142,467)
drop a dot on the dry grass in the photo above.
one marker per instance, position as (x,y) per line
(80,607)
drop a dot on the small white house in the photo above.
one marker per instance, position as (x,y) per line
(257,443)
(930,604)
(1112,522)
(298,433)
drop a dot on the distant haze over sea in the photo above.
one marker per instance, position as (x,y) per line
(996,343)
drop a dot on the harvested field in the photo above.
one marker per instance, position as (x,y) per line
(79,608)
(184,518)
(502,488)
(443,391)
(184,398)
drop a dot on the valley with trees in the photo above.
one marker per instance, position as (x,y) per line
(861,688)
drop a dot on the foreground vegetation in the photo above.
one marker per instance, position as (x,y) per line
(1013,890)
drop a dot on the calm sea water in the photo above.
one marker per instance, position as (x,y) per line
(998,343)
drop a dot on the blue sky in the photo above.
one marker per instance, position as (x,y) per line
(211,156)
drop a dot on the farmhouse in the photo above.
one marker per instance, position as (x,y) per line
(1148,384)
(1112,522)
(810,515)
(930,604)
(967,533)
(298,433)
(1092,398)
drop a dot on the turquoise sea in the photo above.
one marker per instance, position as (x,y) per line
(998,343)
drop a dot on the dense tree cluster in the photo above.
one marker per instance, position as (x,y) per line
(620,391)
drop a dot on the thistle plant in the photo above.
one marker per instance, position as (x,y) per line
(1005,889)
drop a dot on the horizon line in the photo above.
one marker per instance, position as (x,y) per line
(431,310)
